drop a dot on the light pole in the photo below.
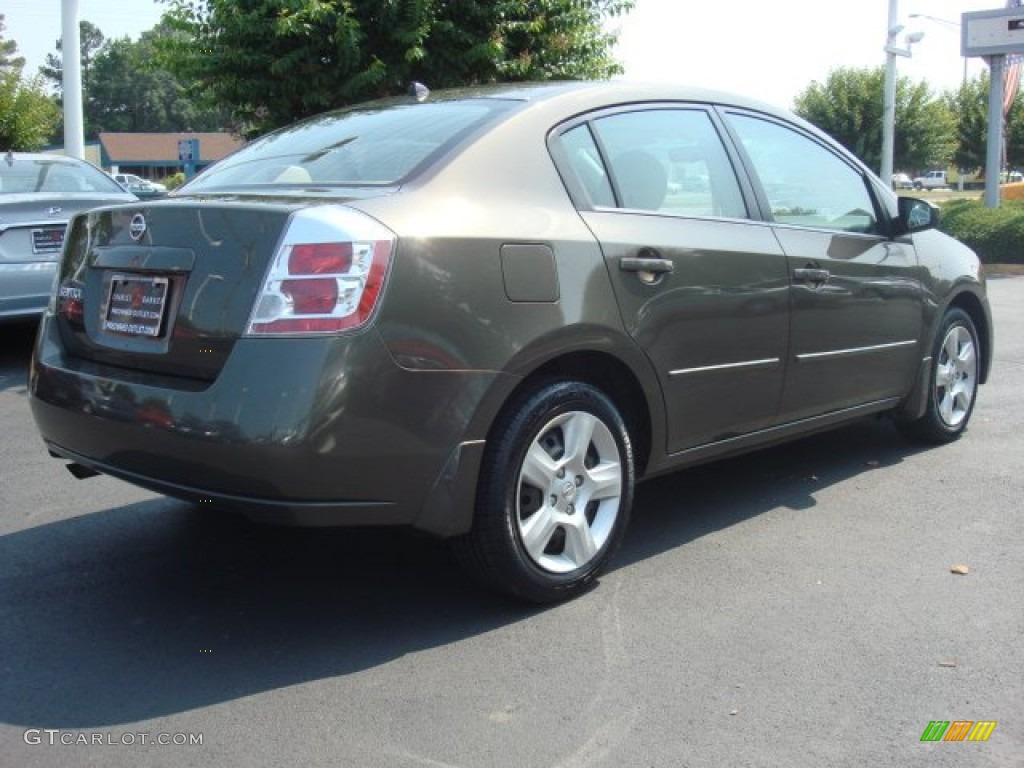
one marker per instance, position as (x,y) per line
(889,96)
(71,49)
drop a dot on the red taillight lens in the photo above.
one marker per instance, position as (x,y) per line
(327,277)
(69,302)
(317,296)
(320,258)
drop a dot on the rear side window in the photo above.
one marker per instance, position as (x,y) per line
(585,160)
(670,161)
(356,147)
(806,184)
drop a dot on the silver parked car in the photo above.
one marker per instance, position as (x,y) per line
(38,194)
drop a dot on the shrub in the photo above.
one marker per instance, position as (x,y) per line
(175,180)
(995,234)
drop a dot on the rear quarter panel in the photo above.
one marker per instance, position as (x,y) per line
(447,305)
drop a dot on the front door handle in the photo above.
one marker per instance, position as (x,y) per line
(811,275)
(638,264)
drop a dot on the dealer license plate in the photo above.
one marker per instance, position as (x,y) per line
(135,305)
(47,240)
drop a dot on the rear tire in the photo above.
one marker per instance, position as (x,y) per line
(953,385)
(554,494)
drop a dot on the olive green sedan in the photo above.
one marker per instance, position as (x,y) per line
(486,314)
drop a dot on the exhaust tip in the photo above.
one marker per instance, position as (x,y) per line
(81,472)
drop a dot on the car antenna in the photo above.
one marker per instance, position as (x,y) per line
(10,157)
(419,91)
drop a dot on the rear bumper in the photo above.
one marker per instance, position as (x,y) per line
(306,431)
(276,511)
(25,288)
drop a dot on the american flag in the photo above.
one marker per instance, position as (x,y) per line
(1011,70)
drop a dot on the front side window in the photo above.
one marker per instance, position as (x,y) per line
(805,183)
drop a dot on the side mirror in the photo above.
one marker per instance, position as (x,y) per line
(916,215)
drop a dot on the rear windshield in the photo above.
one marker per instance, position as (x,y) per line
(21,175)
(363,146)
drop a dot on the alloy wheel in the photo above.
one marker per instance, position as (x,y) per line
(956,376)
(569,491)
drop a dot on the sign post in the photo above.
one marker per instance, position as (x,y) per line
(993,35)
(188,156)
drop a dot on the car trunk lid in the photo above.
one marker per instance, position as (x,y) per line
(167,287)
(170,287)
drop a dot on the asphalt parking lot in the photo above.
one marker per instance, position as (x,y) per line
(793,607)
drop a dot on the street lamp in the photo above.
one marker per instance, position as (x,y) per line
(889,98)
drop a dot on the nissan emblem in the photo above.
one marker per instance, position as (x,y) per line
(137,228)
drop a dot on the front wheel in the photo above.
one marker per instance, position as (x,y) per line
(954,380)
(554,493)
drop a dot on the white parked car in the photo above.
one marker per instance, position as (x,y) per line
(139,186)
(931,180)
(902,181)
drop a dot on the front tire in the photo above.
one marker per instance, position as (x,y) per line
(554,493)
(953,387)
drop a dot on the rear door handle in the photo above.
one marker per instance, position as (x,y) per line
(637,264)
(811,275)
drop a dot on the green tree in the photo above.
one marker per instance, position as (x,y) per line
(1014,134)
(92,43)
(27,114)
(130,93)
(8,61)
(274,61)
(125,88)
(969,106)
(848,106)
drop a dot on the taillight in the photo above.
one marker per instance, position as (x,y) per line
(318,296)
(320,258)
(326,277)
(69,302)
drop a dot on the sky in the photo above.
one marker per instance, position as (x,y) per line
(769,49)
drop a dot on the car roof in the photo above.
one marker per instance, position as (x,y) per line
(42,156)
(600,92)
(577,97)
(583,95)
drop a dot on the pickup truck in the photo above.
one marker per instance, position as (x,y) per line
(931,180)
